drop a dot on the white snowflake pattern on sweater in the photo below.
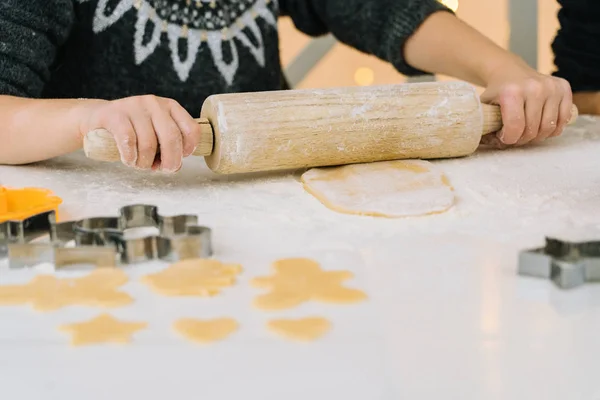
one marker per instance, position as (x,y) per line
(211,23)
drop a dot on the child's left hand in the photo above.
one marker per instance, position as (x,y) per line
(534,106)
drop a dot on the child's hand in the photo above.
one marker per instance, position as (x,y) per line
(534,106)
(142,125)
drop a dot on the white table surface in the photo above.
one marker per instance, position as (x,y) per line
(447,317)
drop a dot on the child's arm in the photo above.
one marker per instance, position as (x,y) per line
(33,130)
(423,35)
(534,106)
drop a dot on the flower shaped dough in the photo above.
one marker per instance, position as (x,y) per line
(193,277)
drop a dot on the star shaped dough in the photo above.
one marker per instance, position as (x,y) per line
(102,329)
(298,280)
(193,277)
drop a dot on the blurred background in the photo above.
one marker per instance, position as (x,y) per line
(343,66)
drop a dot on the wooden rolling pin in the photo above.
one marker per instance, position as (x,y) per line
(267,131)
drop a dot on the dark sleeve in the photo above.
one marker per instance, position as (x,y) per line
(376,27)
(31,32)
(577,44)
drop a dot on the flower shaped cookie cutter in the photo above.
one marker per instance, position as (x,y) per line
(103,241)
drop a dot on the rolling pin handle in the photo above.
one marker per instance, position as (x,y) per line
(100,145)
(492,118)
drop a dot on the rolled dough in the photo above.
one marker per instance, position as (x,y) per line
(304,329)
(102,329)
(205,331)
(48,293)
(193,277)
(388,189)
(298,280)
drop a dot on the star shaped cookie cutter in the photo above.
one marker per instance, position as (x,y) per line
(568,264)
(103,241)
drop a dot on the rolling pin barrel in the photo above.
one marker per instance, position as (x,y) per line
(268,131)
(306,128)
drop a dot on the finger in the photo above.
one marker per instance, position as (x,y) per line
(156,163)
(533,117)
(124,134)
(550,116)
(492,141)
(565,109)
(189,128)
(512,108)
(170,139)
(147,143)
(488,96)
(534,106)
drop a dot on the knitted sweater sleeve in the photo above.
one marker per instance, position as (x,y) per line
(31,33)
(376,27)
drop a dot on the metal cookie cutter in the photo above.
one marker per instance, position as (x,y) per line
(179,237)
(103,241)
(24,231)
(567,264)
(16,242)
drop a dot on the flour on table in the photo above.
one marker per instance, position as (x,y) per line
(385,189)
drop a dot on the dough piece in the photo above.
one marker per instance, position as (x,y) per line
(48,293)
(102,329)
(205,331)
(388,189)
(193,277)
(305,329)
(298,280)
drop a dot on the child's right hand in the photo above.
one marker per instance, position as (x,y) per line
(151,132)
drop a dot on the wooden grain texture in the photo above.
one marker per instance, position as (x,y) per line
(100,144)
(306,128)
(269,131)
(492,118)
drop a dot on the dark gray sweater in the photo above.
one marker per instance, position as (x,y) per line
(181,49)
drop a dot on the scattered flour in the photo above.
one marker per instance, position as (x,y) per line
(503,194)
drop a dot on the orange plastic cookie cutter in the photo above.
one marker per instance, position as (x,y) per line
(19,204)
